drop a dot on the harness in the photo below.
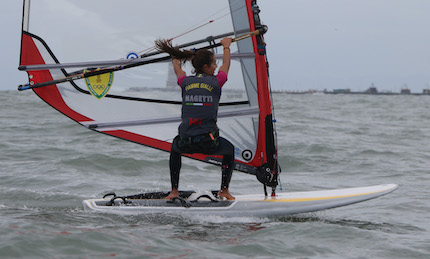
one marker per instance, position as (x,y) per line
(204,143)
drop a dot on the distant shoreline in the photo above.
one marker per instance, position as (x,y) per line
(350,92)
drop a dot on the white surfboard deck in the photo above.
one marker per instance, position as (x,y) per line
(256,205)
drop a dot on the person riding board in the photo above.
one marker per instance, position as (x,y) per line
(198,132)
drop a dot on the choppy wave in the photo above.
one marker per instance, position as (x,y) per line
(50,164)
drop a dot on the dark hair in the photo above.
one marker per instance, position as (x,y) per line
(198,59)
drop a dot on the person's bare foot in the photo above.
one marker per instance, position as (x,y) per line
(174,193)
(224,193)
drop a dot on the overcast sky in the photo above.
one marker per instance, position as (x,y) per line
(312,44)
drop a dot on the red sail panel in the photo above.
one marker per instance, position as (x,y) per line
(30,55)
(264,100)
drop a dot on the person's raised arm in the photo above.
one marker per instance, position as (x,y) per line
(226,42)
(178,68)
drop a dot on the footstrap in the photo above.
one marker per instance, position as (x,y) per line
(183,202)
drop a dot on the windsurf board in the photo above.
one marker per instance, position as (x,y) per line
(258,205)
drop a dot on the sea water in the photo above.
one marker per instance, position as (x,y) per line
(49,164)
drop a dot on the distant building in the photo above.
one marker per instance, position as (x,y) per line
(426,91)
(405,90)
(371,90)
(172,81)
(341,91)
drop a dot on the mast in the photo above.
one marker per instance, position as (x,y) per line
(25,22)
(26,15)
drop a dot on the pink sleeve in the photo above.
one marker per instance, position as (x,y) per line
(222,78)
(180,80)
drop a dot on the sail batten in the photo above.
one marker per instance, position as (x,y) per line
(112,63)
(225,114)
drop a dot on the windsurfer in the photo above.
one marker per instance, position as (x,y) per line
(198,132)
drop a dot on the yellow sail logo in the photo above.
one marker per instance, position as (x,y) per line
(99,85)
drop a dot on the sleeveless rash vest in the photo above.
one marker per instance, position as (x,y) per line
(200,99)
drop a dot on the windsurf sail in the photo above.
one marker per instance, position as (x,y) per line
(111,79)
